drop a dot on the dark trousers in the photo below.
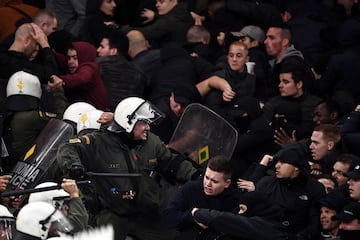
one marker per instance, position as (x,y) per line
(137,226)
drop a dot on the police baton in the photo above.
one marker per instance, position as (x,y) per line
(34,190)
(96,174)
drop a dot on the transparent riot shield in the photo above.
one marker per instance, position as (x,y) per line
(201,133)
(27,173)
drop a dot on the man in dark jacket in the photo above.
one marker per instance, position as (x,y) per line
(142,55)
(255,212)
(253,37)
(279,47)
(330,205)
(343,67)
(350,221)
(178,67)
(293,190)
(234,72)
(173,107)
(350,131)
(255,137)
(28,38)
(325,148)
(214,191)
(292,90)
(170,25)
(121,77)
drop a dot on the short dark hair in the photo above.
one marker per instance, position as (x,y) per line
(295,66)
(348,158)
(118,40)
(44,13)
(286,32)
(221,164)
(341,102)
(195,32)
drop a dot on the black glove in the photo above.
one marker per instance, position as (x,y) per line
(77,172)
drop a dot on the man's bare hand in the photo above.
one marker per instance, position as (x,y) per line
(39,36)
(4,181)
(148,14)
(197,18)
(55,83)
(221,38)
(228,93)
(266,160)
(106,117)
(12,202)
(245,184)
(282,138)
(70,186)
(357,108)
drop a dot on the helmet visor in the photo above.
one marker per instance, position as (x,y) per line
(148,113)
(60,225)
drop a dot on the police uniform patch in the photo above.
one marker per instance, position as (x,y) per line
(87,139)
(74,140)
(153,161)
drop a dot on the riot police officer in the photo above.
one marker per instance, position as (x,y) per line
(131,204)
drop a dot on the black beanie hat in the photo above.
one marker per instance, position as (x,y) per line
(296,154)
(334,200)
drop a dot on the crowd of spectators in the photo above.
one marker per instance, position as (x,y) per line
(297,111)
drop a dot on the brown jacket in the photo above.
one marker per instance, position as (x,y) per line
(10,12)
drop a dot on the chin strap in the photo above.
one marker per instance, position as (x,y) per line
(44,230)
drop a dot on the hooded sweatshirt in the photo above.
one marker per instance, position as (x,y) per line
(85,84)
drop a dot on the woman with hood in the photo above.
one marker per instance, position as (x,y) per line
(99,22)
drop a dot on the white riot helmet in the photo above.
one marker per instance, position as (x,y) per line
(7,223)
(54,197)
(103,232)
(59,238)
(23,92)
(132,109)
(89,120)
(41,219)
(75,110)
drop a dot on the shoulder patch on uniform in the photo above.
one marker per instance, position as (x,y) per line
(87,139)
(153,161)
(74,140)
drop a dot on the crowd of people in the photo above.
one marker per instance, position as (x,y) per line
(113,78)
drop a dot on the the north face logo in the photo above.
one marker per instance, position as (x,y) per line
(304,197)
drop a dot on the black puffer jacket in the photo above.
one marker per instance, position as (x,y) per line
(121,79)
(178,67)
(167,28)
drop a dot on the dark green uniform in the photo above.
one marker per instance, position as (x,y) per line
(26,125)
(130,204)
(78,215)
